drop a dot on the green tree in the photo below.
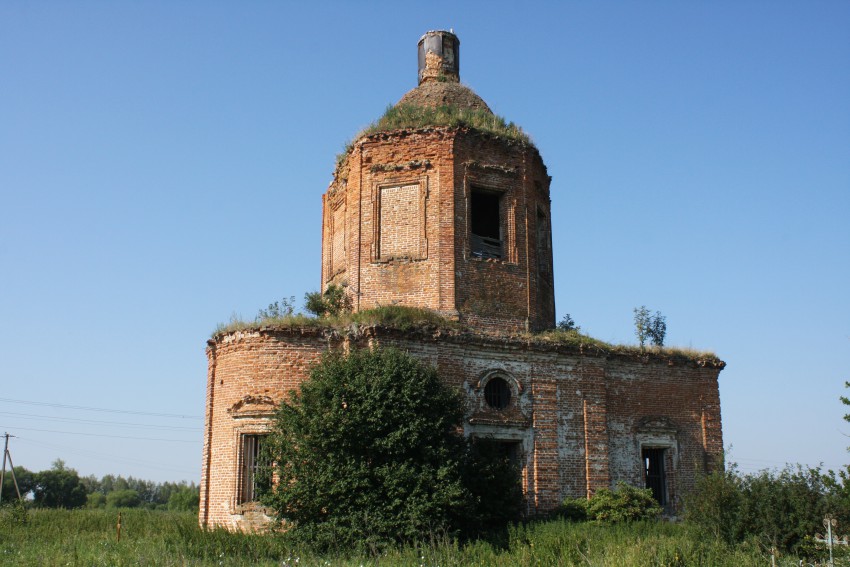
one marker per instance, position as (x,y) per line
(641,324)
(128,498)
(369,453)
(185,499)
(568,324)
(59,487)
(780,509)
(26,482)
(715,505)
(658,329)
(96,500)
(650,327)
(784,507)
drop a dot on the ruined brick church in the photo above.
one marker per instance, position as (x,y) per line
(457,219)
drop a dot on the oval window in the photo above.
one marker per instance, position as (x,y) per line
(497,393)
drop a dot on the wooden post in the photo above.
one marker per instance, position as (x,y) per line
(119,526)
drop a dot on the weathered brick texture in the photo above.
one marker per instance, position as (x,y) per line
(580,421)
(406,229)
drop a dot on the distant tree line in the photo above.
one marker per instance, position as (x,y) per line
(62,487)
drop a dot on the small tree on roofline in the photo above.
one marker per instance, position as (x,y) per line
(648,326)
(658,328)
(368,453)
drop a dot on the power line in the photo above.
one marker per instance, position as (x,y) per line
(98,422)
(106,456)
(104,435)
(87,408)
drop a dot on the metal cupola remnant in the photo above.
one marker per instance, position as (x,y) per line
(439,58)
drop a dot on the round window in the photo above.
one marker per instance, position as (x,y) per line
(497,393)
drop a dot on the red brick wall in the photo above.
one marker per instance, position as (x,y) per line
(247,370)
(581,420)
(404,199)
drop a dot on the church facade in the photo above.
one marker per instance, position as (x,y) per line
(454,216)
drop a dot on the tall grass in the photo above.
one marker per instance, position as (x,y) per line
(88,537)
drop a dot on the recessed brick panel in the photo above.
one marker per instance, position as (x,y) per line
(400,231)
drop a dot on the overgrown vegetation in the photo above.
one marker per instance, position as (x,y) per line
(332,303)
(332,309)
(403,318)
(779,510)
(625,504)
(578,340)
(88,537)
(369,455)
(407,116)
(648,326)
(567,324)
(278,310)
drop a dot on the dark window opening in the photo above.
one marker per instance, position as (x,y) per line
(256,479)
(653,468)
(510,451)
(497,393)
(485,223)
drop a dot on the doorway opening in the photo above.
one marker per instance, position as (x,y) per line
(653,472)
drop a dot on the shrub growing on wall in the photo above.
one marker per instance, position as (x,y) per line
(333,302)
(368,452)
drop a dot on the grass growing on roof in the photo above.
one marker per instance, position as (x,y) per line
(403,318)
(577,339)
(413,116)
(401,116)
(406,318)
(392,316)
(291,321)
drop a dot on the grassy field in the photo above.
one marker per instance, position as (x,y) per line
(88,537)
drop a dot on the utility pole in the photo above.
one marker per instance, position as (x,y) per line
(8,455)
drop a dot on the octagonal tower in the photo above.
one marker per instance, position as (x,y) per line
(441,205)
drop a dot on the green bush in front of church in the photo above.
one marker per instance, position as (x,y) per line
(369,453)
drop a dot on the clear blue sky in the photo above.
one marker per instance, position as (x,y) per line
(162,166)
